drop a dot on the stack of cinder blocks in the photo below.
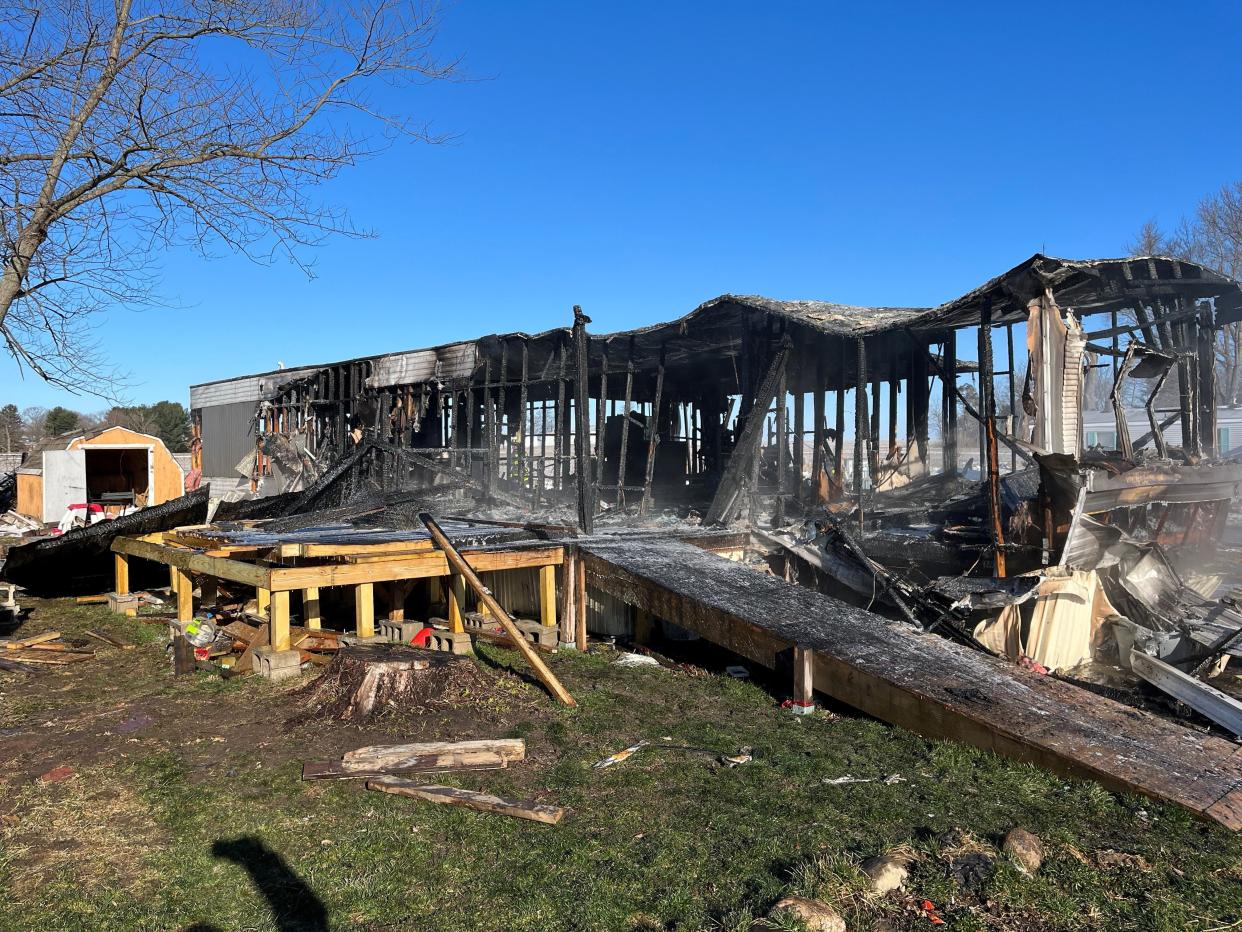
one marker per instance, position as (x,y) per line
(533,631)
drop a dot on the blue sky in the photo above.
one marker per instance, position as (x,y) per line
(638,159)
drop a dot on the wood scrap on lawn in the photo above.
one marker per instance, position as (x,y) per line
(469,799)
(423,757)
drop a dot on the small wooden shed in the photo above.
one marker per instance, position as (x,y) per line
(113,467)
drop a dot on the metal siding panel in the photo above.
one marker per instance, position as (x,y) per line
(226,436)
(448,362)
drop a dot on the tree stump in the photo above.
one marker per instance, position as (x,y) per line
(364,681)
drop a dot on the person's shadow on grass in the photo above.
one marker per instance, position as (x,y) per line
(294,905)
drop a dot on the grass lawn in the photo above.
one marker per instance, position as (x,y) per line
(185,810)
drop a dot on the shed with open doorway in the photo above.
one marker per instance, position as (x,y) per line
(114,468)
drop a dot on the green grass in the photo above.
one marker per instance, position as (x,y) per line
(666,840)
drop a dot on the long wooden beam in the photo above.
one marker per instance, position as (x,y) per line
(410,566)
(189,561)
(460,565)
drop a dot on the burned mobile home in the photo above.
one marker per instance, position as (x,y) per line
(595,484)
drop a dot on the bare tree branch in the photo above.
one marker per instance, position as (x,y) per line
(128,126)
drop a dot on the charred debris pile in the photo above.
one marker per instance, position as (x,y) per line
(926,471)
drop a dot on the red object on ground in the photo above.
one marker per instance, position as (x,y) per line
(56,774)
(421,639)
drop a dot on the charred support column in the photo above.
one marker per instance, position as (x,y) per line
(860,424)
(582,440)
(987,391)
(817,427)
(838,454)
(1207,384)
(799,438)
(919,398)
(653,438)
(625,428)
(949,370)
(782,446)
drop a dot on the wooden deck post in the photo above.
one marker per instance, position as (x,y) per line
(547,595)
(569,577)
(364,610)
(263,602)
(121,563)
(311,617)
(184,590)
(804,675)
(279,614)
(455,600)
(580,606)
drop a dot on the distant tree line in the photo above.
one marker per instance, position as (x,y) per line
(22,429)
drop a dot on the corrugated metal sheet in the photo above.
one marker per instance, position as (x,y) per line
(446,362)
(226,436)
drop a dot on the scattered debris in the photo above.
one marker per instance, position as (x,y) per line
(891,779)
(636,660)
(57,774)
(469,799)
(622,755)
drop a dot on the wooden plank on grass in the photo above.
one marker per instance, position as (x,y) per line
(341,770)
(21,643)
(506,749)
(109,639)
(468,799)
(245,663)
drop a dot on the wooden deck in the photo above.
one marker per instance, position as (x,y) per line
(921,681)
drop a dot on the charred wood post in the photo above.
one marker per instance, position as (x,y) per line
(489,431)
(894,396)
(503,427)
(601,415)
(582,440)
(799,438)
(782,445)
(860,424)
(1207,384)
(838,455)
(1013,410)
(1119,411)
(523,418)
(625,428)
(817,414)
(724,503)
(560,436)
(873,433)
(653,438)
(920,396)
(988,401)
(949,402)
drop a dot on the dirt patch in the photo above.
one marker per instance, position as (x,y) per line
(91,827)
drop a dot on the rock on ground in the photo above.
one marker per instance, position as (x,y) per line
(819,917)
(887,872)
(1025,848)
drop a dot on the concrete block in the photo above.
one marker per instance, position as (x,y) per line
(451,642)
(399,632)
(277,665)
(536,633)
(123,604)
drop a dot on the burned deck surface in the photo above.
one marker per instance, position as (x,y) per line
(923,682)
